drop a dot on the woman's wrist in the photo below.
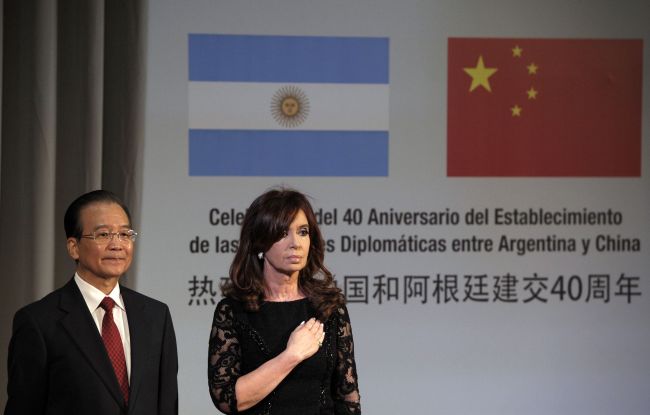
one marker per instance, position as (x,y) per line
(289,358)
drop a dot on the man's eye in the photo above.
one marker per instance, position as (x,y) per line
(102,235)
(125,235)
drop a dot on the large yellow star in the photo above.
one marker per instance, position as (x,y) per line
(516,51)
(480,75)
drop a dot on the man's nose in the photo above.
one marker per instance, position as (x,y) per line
(115,243)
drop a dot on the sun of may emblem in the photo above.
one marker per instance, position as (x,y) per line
(290,106)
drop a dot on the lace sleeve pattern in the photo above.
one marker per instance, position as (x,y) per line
(224,359)
(345,386)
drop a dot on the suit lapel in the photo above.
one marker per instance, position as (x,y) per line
(139,331)
(83,331)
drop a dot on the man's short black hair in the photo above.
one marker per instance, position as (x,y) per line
(71,220)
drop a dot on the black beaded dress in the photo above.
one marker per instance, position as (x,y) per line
(241,341)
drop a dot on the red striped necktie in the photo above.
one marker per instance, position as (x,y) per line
(114,347)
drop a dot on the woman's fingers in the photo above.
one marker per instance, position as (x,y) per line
(319,333)
(307,338)
(312,324)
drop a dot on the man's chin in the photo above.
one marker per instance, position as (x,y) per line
(113,273)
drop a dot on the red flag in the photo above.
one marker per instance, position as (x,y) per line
(544,107)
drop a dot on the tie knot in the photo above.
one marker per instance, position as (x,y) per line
(107,304)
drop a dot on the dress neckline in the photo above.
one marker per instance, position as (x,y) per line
(285,302)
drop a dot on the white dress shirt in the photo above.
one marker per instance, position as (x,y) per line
(93,298)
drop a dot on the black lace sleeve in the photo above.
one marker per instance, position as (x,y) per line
(224,359)
(345,387)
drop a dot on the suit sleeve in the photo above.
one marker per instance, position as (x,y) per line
(27,368)
(168,382)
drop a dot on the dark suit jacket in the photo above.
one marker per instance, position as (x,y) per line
(58,363)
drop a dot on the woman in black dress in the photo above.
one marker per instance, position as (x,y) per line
(281,340)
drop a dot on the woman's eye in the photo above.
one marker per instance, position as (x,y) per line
(303,232)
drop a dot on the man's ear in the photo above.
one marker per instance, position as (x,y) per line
(73,248)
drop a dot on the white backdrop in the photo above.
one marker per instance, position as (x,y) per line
(581,353)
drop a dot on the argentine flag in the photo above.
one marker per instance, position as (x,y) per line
(288,105)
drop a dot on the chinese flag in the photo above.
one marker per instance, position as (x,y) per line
(544,107)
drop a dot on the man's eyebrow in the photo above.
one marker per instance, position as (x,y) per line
(108,226)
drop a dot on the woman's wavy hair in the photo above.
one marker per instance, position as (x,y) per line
(265,222)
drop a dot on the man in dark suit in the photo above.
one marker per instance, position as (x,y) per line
(94,347)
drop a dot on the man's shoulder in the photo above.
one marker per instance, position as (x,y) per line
(51,299)
(134,296)
(46,307)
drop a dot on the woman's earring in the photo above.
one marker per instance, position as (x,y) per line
(260,255)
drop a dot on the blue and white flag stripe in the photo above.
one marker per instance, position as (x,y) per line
(288,153)
(288,59)
(232,105)
(238,123)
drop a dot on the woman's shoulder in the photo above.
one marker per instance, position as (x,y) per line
(229,306)
(342,311)
(228,312)
(339,314)
(231,303)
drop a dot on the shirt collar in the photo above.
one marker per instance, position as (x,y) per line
(94,296)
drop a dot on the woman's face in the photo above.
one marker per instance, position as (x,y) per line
(289,255)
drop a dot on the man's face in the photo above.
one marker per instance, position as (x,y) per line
(102,260)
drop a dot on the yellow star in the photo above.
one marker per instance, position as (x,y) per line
(532,93)
(516,51)
(480,75)
(532,69)
(516,111)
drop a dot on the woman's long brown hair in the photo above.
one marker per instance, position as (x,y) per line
(265,222)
